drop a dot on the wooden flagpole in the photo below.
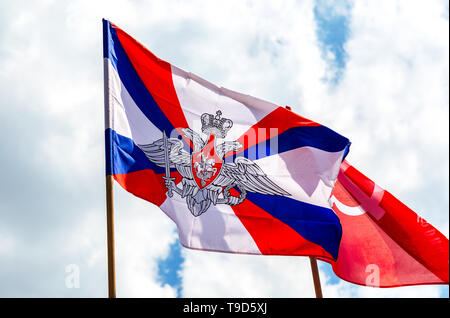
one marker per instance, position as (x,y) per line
(109,177)
(316,278)
(110,236)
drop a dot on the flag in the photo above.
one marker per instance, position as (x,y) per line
(384,243)
(235,173)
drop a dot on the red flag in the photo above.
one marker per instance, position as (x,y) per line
(384,243)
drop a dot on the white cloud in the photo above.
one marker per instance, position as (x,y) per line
(7,243)
(143,235)
(344,289)
(209,274)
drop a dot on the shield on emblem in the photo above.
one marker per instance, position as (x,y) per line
(206,164)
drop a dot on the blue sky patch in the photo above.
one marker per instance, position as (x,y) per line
(169,267)
(332,32)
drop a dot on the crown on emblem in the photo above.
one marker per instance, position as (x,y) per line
(215,124)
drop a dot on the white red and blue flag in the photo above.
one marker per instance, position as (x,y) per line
(235,173)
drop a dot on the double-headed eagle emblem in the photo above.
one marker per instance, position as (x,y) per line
(206,178)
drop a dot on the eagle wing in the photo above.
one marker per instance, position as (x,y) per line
(249,176)
(242,172)
(178,157)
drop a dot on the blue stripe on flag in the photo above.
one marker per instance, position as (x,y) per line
(106,38)
(316,224)
(131,80)
(126,156)
(319,137)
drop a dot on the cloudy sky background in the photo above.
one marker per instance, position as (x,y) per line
(375,71)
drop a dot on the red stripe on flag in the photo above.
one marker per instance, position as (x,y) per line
(146,184)
(419,238)
(156,74)
(272,236)
(360,180)
(272,125)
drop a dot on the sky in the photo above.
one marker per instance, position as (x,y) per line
(377,72)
